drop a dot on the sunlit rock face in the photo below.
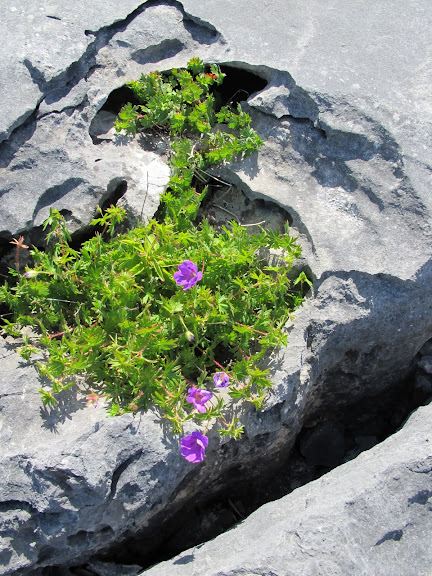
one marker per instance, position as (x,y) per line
(340,96)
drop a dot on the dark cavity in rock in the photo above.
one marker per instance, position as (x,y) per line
(238,85)
(226,202)
(118,98)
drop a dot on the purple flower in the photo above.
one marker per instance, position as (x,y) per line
(221,380)
(187,275)
(193,447)
(198,397)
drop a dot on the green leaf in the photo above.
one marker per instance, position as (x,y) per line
(195,65)
(172,306)
(47,398)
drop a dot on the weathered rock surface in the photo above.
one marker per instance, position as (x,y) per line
(371,516)
(347,124)
(50,158)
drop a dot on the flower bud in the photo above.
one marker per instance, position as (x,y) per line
(190,336)
(31,273)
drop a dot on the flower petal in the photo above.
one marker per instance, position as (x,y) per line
(221,380)
(192,447)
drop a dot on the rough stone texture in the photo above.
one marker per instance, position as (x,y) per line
(426,364)
(39,47)
(50,158)
(347,123)
(62,475)
(371,516)
(109,569)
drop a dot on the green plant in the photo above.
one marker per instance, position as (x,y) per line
(156,313)
(182,104)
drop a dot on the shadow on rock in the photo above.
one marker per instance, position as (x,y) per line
(68,403)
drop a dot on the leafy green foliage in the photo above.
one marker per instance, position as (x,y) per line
(180,101)
(113,312)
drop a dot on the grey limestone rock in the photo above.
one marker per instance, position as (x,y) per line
(426,364)
(426,349)
(52,157)
(39,46)
(346,123)
(110,569)
(371,516)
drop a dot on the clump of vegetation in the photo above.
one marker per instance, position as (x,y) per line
(182,104)
(170,313)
